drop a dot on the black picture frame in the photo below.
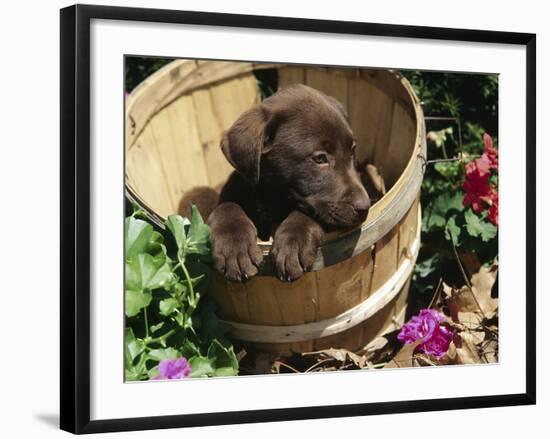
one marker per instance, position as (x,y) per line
(75,217)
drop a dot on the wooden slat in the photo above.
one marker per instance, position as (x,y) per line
(239,298)
(401,145)
(292,299)
(400,305)
(391,84)
(407,231)
(145,101)
(375,326)
(218,291)
(310,297)
(263,305)
(367,273)
(385,258)
(231,98)
(210,132)
(330,83)
(339,286)
(370,113)
(176,142)
(174,80)
(289,75)
(350,339)
(144,164)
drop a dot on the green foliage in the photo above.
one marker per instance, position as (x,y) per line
(138,68)
(473,100)
(168,314)
(477,227)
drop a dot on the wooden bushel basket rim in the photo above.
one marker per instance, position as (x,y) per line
(383,215)
(183,77)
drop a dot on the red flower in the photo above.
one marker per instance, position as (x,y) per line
(490,153)
(476,185)
(477,191)
(492,213)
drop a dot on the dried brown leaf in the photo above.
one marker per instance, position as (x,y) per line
(482,284)
(404,357)
(468,353)
(470,320)
(374,347)
(341,355)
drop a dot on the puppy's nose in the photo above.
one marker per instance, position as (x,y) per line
(361,205)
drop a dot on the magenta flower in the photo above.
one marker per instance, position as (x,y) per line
(174,369)
(427,329)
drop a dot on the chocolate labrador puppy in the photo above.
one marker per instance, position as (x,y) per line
(295,178)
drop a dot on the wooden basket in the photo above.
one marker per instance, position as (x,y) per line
(358,286)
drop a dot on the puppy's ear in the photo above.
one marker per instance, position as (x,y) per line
(246,140)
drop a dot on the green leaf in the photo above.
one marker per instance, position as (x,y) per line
(153,372)
(223,357)
(478,228)
(199,234)
(137,210)
(135,301)
(176,224)
(189,349)
(224,372)
(155,328)
(179,318)
(129,338)
(143,272)
(454,230)
(210,325)
(140,237)
(201,366)
(428,266)
(136,347)
(439,208)
(131,374)
(164,354)
(448,169)
(168,306)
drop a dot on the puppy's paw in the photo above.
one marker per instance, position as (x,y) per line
(293,254)
(236,255)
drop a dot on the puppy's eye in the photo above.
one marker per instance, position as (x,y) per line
(353,147)
(320,158)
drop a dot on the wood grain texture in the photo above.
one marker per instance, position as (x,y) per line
(331,82)
(289,75)
(178,116)
(144,164)
(210,132)
(370,113)
(401,145)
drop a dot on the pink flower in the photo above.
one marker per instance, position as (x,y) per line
(174,369)
(427,329)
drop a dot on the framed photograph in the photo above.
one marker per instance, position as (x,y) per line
(277,218)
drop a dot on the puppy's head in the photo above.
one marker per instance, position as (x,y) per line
(299,142)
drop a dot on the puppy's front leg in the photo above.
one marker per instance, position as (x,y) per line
(295,245)
(235,250)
